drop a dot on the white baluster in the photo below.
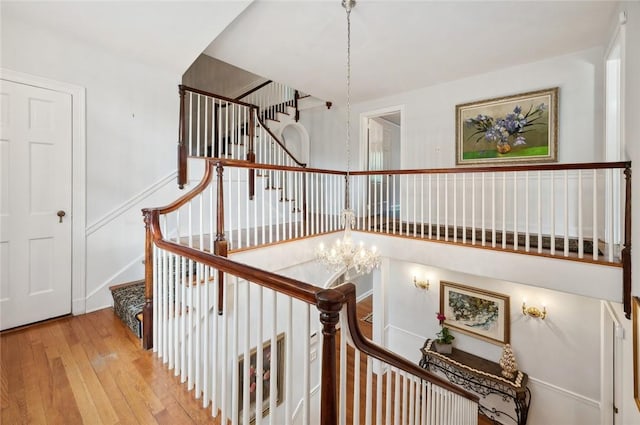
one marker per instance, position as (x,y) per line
(493,210)
(526,212)
(422,206)
(306,379)
(437,206)
(246,364)
(473,208)
(430,208)
(396,402)
(580,229)
(612,238)
(595,217)
(288,406)
(515,210)
(235,384)
(552,211)
(446,207)
(464,208)
(455,207)
(356,387)
(415,216)
(189,141)
(482,205)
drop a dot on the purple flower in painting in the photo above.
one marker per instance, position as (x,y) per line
(496,133)
(508,130)
(520,140)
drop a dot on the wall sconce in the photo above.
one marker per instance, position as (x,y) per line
(421,284)
(534,311)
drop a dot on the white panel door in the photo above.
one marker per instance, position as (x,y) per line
(35,173)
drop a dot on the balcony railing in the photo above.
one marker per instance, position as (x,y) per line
(239,336)
(201,306)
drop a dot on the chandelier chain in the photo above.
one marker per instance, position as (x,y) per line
(348,142)
(344,254)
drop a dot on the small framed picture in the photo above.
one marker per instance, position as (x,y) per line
(522,128)
(476,312)
(267,376)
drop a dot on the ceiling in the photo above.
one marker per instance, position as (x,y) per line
(168,34)
(403,45)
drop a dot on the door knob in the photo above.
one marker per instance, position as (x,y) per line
(60,215)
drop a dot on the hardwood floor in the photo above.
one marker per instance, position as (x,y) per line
(90,369)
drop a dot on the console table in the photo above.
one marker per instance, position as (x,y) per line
(481,376)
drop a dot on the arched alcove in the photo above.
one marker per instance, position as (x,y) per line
(296,140)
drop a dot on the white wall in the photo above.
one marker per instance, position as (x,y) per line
(132,121)
(430,112)
(561,354)
(630,413)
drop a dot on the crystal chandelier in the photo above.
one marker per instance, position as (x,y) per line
(344,254)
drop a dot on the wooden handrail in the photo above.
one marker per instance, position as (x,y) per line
(366,346)
(294,288)
(626,251)
(544,167)
(277,140)
(463,170)
(206,179)
(328,301)
(217,96)
(246,164)
(255,89)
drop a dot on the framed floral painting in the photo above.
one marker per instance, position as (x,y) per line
(521,128)
(476,312)
(267,376)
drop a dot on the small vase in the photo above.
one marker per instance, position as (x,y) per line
(503,147)
(443,348)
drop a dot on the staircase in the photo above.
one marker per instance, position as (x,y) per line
(128,302)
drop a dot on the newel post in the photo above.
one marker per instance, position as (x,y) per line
(220,246)
(251,154)
(626,251)
(147,311)
(182,146)
(329,302)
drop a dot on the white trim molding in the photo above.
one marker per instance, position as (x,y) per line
(79,206)
(365,116)
(130,203)
(566,393)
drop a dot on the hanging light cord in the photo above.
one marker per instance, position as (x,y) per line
(348,5)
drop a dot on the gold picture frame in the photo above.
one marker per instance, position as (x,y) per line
(635,307)
(521,128)
(477,312)
(266,395)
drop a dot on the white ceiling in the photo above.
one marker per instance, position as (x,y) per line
(403,45)
(160,33)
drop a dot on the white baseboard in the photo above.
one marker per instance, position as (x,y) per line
(365,295)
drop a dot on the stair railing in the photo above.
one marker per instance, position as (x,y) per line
(272,98)
(214,126)
(261,340)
